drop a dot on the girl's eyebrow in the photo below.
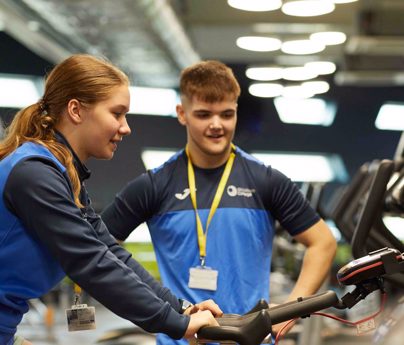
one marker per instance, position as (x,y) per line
(122,107)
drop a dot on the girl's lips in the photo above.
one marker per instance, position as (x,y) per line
(115,144)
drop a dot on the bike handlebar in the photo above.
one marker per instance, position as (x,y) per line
(252,328)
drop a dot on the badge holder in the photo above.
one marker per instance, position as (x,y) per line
(203,277)
(80,317)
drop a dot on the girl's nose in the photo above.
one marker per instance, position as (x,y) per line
(124,129)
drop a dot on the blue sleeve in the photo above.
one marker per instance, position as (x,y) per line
(161,291)
(131,207)
(40,195)
(288,205)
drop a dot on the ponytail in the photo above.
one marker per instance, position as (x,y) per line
(34,124)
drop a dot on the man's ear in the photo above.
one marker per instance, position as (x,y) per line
(73,111)
(181,114)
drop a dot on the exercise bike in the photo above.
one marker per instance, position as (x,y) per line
(252,328)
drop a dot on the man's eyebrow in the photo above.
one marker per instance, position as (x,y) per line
(201,111)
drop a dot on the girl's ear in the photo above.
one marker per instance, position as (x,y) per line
(73,111)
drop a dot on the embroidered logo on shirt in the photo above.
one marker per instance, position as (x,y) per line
(238,191)
(183,195)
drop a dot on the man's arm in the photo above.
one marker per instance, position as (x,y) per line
(320,251)
(133,205)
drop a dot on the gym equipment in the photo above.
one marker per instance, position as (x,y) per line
(365,273)
(359,213)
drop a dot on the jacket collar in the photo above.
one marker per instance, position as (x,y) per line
(83,172)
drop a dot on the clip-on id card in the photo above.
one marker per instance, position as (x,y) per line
(80,317)
(203,278)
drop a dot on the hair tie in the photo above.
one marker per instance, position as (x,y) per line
(42,107)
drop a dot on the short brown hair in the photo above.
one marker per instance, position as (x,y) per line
(209,81)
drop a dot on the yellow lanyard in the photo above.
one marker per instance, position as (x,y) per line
(215,203)
(77,294)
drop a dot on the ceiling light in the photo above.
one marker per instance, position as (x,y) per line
(308,8)
(321,67)
(298,73)
(143,101)
(255,5)
(312,111)
(390,117)
(153,158)
(316,87)
(302,47)
(312,167)
(329,38)
(296,92)
(259,43)
(266,90)
(264,73)
(18,92)
(343,1)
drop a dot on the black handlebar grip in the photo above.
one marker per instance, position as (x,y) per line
(252,331)
(261,304)
(302,307)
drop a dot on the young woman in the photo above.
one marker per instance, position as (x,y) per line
(47,225)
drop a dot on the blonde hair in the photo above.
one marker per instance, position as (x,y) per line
(83,77)
(209,81)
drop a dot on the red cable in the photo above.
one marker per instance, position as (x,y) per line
(383,302)
(278,336)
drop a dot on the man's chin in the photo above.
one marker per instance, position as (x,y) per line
(217,151)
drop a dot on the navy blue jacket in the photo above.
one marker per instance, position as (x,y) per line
(44,235)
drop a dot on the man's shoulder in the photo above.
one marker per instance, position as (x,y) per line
(250,160)
(174,162)
(249,165)
(170,177)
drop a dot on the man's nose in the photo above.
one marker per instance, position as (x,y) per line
(215,123)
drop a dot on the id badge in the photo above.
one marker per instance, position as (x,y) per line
(80,318)
(203,278)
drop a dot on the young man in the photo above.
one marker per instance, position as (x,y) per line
(211,207)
